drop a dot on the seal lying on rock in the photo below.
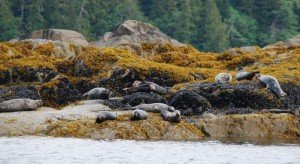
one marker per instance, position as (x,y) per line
(97,93)
(24,104)
(155,107)
(223,78)
(279,111)
(146,86)
(171,116)
(272,84)
(245,75)
(138,114)
(105,115)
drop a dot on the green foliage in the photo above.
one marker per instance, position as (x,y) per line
(210,25)
(8,23)
(214,29)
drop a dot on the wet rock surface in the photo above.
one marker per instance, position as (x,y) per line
(16,92)
(251,95)
(190,103)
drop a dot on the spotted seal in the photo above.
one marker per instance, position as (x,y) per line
(105,115)
(97,93)
(223,78)
(272,84)
(171,116)
(138,114)
(154,107)
(22,104)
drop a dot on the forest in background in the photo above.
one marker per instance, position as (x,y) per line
(209,25)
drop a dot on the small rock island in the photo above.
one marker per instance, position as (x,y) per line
(56,83)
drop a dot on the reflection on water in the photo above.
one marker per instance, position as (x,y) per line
(68,150)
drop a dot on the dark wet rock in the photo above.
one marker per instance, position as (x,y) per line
(116,104)
(82,70)
(60,92)
(17,92)
(239,111)
(84,86)
(30,74)
(190,103)
(143,97)
(292,100)
(245,95)
(119,79)
(27,74)
(4,77)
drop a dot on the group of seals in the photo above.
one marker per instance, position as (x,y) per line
(270,81)
(22,104)
(139,112)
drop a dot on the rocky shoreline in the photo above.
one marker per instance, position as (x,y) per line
(78,120)
(59,70)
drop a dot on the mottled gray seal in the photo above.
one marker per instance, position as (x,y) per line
(245,75)
(146,86)
(223,78)
(171,116)
(97,93)
(138,114)
(272,84)
(105,115)
(23,104)
(155,107)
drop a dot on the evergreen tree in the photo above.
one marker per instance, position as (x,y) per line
(8,23)
(214,30)
(33,18)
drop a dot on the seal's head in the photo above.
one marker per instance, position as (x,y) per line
(136,83)
(38,103)
(171,109)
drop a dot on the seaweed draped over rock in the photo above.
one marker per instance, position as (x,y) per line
(40,63)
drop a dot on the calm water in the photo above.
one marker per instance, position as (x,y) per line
(66,150)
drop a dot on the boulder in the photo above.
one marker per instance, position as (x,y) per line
(190,103)
(293,42)
(132,34)
(143,97)
(119,78)
(69,36)
(60,49)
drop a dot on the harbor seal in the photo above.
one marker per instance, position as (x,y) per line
(146,86)
(223,78)
(272,84)
(105,115)
(155,107)
(171,116)
(97,93)
(22,104)
(245,75)
(138,114)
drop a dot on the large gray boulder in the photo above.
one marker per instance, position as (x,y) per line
(132,34)
(69,36)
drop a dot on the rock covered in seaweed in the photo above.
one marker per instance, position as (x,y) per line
(190,103)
